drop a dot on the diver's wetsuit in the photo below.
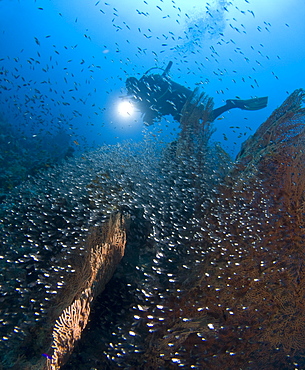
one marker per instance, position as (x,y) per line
(157,96)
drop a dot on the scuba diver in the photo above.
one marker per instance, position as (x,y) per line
(156,95)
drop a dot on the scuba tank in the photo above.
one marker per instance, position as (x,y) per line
(165,80)
(165,71)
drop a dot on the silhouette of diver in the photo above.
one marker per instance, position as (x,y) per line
(157,95)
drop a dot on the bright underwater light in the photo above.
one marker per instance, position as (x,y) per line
(126,108)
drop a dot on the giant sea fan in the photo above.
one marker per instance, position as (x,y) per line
(46,227)
(243,303)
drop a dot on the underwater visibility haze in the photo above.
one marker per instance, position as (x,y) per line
(196,226)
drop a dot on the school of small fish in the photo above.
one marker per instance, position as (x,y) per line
(60,85)
(55,85)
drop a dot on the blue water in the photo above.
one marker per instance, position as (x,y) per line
(64,64)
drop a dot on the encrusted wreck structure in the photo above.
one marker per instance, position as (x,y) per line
(212,274)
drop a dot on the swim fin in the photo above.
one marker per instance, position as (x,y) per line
(249,104)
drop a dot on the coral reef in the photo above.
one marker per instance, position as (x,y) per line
(242,304)
(68,312)
(220,283)
(105,246)
(46,225)
(212,274)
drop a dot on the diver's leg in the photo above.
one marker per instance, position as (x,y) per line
(249,104)
(218,111)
